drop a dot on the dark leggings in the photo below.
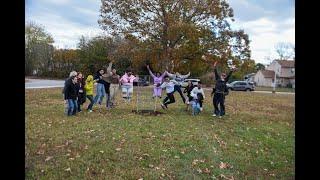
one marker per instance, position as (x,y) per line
(90,97)
(218,99)
(169,97)
(177,88)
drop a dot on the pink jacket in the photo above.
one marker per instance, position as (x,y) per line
(127,80)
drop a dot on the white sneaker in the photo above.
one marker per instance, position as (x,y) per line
(201,109)
(214,115)
(90,111)
(220,117)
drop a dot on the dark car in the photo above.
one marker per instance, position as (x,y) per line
(141,81)
(241,86)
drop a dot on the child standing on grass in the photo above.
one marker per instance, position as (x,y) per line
(70,96)
(156,81)
(89,91)
(197,94)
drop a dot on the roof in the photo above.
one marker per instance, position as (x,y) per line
(267,73)
(286,63)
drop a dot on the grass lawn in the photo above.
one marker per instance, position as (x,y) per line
(278,89)
(255,140)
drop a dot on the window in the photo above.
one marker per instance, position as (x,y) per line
(243,83)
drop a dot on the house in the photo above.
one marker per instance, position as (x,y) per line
(285,74)
(264,78)
(249,77)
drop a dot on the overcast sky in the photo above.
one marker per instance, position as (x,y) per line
(266,21)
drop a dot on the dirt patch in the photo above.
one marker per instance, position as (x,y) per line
(147,112)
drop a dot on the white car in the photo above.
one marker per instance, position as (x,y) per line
(185,82)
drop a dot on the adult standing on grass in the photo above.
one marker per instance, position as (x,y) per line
(81,91)
(100,92)
(157,80)
(114,86)
(220,89)
(68,80)
(70,96)
(127,85)
(107,82)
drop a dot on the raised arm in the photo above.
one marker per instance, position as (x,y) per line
(163,74)
(170,75)
(109,68)
(216,75)
(184,76)
(150,72)
(229,74)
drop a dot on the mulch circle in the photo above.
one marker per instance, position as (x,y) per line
(147,112)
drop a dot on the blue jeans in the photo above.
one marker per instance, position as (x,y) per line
(72,107)
(101,92)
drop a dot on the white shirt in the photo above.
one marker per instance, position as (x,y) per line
(195,91)
(169,85)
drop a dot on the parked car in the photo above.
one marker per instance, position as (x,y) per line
(241,86)
(141,81)
(185,82)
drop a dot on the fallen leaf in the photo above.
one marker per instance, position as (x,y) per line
(48,158)
(101,152)
(199,170)
(151,166)
(118,149)
(71,159)
(177,157)
(206,171)
(223,165)
(68,169)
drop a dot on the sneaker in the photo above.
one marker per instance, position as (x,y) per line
(220,117)
(163,106)
(201,109)
(90,111)
(214,115)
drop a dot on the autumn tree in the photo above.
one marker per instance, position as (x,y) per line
(38,49)
(179,32)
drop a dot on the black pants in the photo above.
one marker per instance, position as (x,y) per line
(90,97)
(218,99)
(177,88)
(169,97)
(200,103)
(81,100)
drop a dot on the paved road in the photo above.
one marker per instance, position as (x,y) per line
(290,93)
(42,83)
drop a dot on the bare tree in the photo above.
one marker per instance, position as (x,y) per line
(285,50)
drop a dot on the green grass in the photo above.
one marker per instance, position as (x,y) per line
(278,89)
(255,139)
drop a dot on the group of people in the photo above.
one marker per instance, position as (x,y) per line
(77,90)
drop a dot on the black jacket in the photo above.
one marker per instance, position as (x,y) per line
(188,89)
(71,91)
(97,76)
(221,85)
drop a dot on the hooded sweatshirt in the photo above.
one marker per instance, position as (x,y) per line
(127,80)
(89,85)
